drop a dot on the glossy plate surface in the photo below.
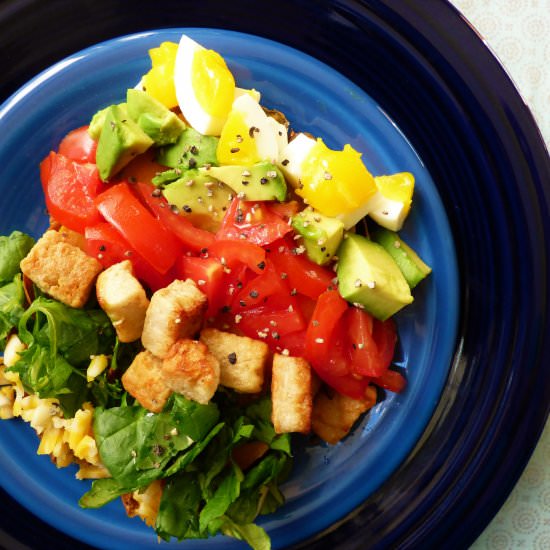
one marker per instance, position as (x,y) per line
(328,482)
(423,65)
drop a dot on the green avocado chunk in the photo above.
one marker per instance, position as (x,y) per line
(321,234)
(368,275)
(161,124)
(262,181)
(98,120)
(414,269)
(191,150)
(120,141)
(199,197)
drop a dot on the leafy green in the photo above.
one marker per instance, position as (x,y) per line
(251,533)
(13,249)
(60,341)
(74,333)
(138,446)
(12,300)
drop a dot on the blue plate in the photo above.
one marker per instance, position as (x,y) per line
(429,71)
(328,481)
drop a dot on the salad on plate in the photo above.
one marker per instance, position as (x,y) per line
(212,281)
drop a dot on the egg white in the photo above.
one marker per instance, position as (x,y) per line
(292,156)
(191,109)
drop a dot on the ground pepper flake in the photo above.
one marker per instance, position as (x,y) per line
(232,358)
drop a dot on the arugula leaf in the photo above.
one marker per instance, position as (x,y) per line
(74,333)
(50,375)
(179,508)
(13,249)
(102,492)
(253,534)
(227,492)
(12,300)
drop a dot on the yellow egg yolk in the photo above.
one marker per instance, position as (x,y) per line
(212,82)
(159,81)
(397,187)
(335,182)
(237,143)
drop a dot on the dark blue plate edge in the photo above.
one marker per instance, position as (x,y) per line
(438,16)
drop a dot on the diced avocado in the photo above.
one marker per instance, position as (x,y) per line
(408,261)
(161,124)
(368,275)
(120,141)
(96,124)
(322,235)
(201,198)
(262,181)
(191,150)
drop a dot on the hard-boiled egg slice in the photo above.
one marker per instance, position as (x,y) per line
(292,156)
(389,206)
(205,87)
(248,135)
(332,182)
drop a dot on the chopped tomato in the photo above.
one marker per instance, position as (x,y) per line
(79,146)
(208,274)
(107,245)
(322,328)
(302,274)
(391,380)
(233,253)
(385,336)
(294,342)
(265,323)
(191,237)
(365,357)
(265,289)
(139,227)
(70,189)
(142,168)
(284,210)
(253,222)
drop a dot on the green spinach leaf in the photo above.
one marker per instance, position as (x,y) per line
(13,249)
(12,301)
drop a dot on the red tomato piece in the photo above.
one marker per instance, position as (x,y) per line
(107,245)
(139,227)
(191,237)
(391,380)
(385,336)
(285,210)
(253,222)
(234,253)
(302,274)
(79,146)
(294,342)
(70,189)
(266,289)
(263,322)
(322,326)
(208,274)
(365,357)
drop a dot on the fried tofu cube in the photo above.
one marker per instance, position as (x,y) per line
(175,312)
(191,370)
(291,394)
(61,269)
(334,416)
(123,299)
(242,359)
(145,503)
(143,380)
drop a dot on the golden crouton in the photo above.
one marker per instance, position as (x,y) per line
(143,381)
(190,369)
(174,312)
(242,359)
(334,416)
(123,299)
(144,503)
(61,269)
(291,394)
